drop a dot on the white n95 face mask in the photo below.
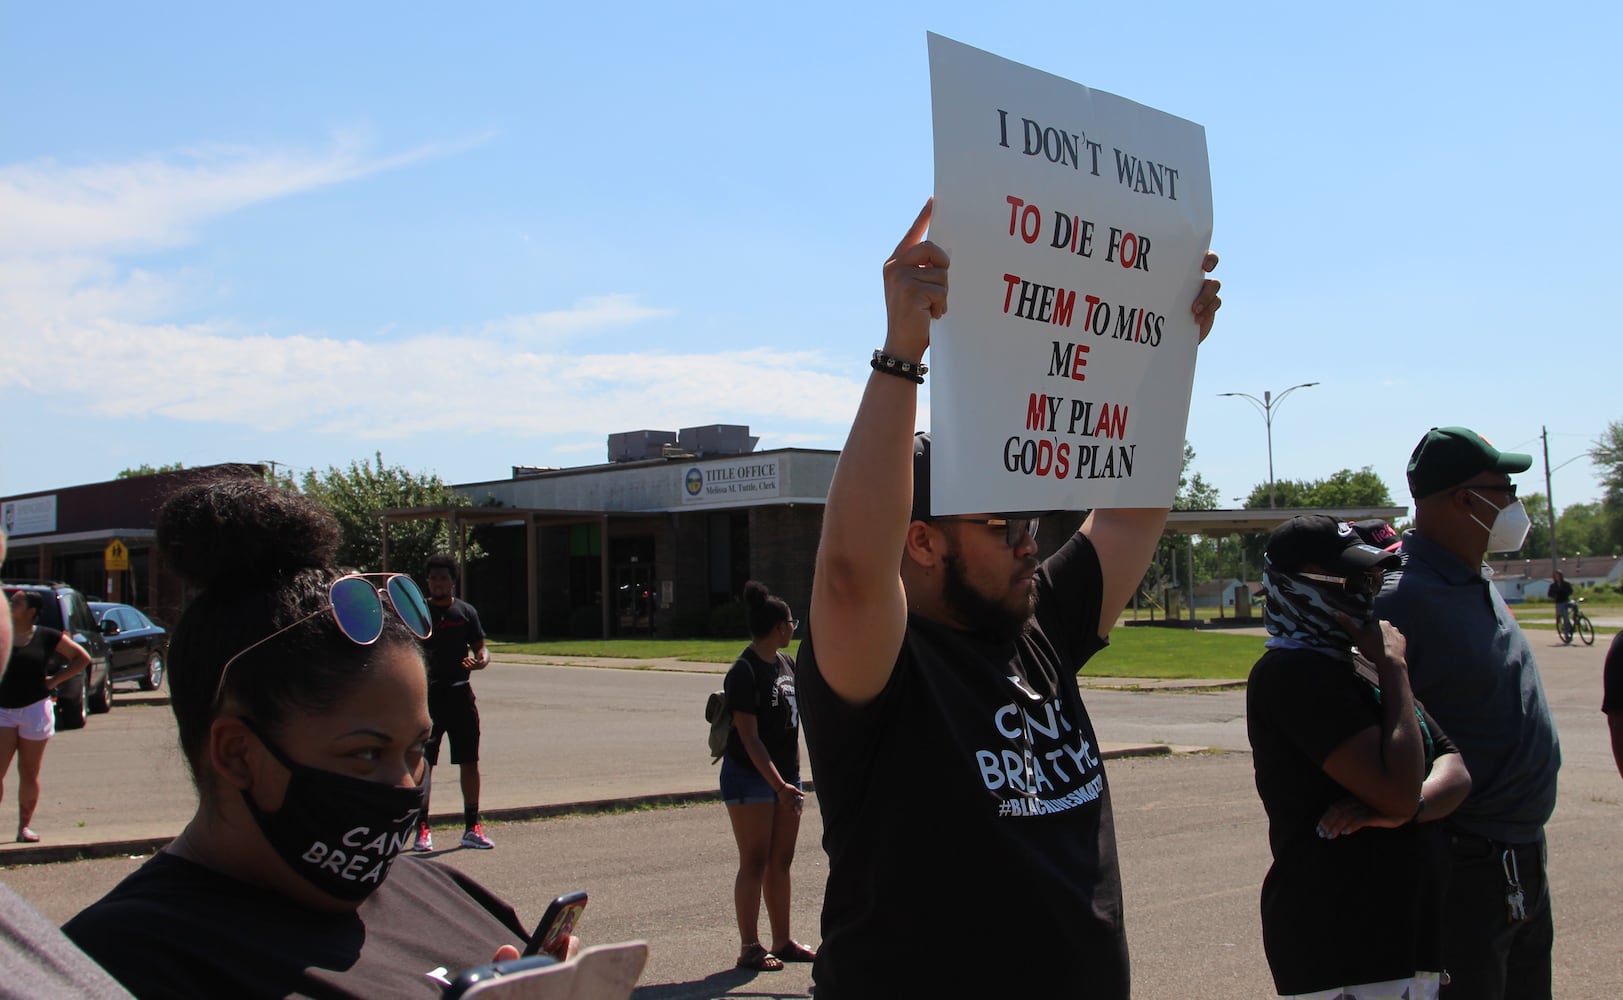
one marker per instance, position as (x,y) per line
(1509,528)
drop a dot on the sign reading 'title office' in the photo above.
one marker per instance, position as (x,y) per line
(116,556)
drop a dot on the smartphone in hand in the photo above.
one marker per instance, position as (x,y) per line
(489,979)
(551,935)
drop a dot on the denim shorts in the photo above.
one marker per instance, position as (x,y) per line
(742,785)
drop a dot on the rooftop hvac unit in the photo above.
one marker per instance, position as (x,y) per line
(718,439)
(635,446)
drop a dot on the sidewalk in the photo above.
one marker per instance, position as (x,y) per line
(1085,679)
(566,793)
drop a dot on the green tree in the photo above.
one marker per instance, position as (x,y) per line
(1537,545)
(146,470)
(1584,529)
(1171,562)
(1194,492)
(356,494)
(1607,453)
(1343,489)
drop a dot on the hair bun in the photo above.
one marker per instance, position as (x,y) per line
(244,530)
(755,592)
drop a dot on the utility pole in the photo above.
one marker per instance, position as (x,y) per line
(1549,500)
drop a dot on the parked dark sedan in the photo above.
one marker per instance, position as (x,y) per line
(138,645)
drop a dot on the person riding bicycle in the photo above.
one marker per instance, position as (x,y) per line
(1561,594)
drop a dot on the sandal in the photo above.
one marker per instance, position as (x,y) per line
(794,951)
(758,958)
(27,836)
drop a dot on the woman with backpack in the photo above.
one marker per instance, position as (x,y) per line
(760,780)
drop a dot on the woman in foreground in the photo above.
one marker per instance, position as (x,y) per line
(301,700)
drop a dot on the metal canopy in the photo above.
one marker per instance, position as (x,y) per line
(1257,521)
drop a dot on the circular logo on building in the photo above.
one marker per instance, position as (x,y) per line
(694,481)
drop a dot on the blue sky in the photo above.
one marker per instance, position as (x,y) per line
(474,236)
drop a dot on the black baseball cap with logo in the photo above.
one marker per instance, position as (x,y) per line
(1448,456)
(1320,539)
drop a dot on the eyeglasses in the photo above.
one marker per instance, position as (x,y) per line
(1358,585)
(1509,489)
(357,607)
(1015,529)
(794,624)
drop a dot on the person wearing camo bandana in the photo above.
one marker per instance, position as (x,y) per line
(1352,773)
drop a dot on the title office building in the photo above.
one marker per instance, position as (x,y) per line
(674,522)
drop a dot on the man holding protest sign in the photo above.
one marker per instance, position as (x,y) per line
(966,816)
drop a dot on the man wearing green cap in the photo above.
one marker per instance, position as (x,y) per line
(1474,669)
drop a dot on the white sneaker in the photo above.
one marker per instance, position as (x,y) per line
(476,838)
(425,838)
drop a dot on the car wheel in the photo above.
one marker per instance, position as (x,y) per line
(101,699)
(70,709)
(154,675)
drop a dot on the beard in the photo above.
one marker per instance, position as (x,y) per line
(1000,621)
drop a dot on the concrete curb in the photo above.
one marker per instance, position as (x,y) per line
(45,854)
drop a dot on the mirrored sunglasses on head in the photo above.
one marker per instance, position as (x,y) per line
(1015,526)
(357,608)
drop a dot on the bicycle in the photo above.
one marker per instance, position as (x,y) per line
(1576,622)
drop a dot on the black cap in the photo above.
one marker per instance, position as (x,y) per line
(1448,456)
(921,477)
(1324,541)
(1377,533)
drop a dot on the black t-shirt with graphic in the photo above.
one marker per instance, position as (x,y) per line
(456,631)
(176,929)
(1363,908)
(24,680)
(766,691)
(966,816)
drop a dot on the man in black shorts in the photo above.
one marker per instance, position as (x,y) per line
(456,647)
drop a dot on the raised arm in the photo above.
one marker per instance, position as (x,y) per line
(858,607)
(1125,538)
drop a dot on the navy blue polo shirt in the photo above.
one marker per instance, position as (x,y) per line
(1473,668)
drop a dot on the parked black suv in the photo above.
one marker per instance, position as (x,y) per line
(67,611)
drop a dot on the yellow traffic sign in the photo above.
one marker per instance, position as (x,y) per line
(116,555)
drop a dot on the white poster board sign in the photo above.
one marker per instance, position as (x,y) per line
(1076,222)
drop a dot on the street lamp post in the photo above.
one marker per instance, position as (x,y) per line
(1266,406)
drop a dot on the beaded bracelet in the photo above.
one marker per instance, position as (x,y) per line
(913,371)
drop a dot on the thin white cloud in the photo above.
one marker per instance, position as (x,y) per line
(157,202)
(66,292)
(587,315)
(383,391)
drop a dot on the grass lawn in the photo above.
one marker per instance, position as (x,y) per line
(1133,652)
(1174,652)
(699,650)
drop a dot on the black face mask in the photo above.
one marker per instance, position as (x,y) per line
(340,833)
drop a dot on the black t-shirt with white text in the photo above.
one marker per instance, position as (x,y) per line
(966,815)
(173,928)
(1362,908)
(766,691)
